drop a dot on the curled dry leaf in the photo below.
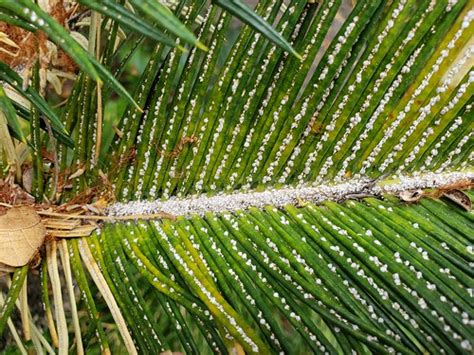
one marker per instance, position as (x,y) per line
(78,173)
(27,178)
(411,195)
(459,198)
(21,234)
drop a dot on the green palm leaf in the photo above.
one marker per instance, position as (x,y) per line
(267,203)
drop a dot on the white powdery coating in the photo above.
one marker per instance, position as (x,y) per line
(202,204)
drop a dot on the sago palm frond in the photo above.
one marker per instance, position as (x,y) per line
(246,199)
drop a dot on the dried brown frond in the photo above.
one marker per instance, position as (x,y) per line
(460,185)
(12,194)
(23,48)
(452,192)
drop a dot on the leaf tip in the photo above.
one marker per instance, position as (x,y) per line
(138,107)
(297,55)
(201,46)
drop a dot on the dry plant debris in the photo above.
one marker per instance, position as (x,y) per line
(25,226)
(12,194)
(452,192)
(22,233)
(20,49)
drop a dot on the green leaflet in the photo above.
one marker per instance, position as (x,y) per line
(163,15)
(7,107)
(13,79)
(38,183)
(12,19)
(121,15)
(241,10)
(17,283)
